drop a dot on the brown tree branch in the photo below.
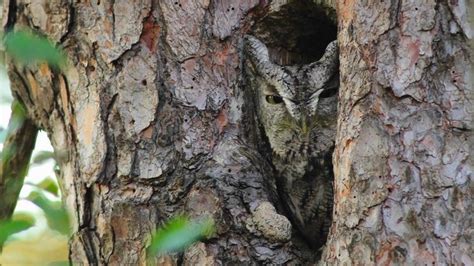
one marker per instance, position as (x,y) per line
(15,158)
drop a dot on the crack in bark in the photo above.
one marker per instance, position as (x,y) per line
(71,25)
(12,9)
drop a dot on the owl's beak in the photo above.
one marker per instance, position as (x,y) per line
(304,125)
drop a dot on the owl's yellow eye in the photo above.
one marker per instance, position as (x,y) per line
(273,99)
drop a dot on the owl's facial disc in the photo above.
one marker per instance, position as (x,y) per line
(296,104)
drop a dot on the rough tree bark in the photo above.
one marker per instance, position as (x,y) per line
(403,159)
(149,121)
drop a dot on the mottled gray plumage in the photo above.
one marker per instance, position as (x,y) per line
(297,107)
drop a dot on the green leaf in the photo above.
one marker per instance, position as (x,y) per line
(42,157)
(10,227)
(48,184)
(56,214)
(23,216)
(29,48)
(179,233)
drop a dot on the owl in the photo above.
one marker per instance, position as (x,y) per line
(297,108)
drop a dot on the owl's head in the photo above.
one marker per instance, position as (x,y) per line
(296,105)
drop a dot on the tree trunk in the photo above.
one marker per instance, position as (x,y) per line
(151,119)
(403,159)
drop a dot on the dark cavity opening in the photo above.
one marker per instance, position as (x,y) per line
(297,32)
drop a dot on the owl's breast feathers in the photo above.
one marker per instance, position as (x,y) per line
(309,197)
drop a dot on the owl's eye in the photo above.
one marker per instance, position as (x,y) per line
(273,99)
(328,93)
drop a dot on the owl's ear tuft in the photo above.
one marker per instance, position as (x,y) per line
(257,53)
(326,67)
(331,55)
(257,50)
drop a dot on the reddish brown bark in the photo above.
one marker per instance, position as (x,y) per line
(403,162)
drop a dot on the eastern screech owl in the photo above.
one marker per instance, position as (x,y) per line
(297,108)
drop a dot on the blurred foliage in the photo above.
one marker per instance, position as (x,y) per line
(6,97)
(180,232)
(54,211)
(42,157)
(42,248)
(16,225)
(3,134)
(49,185)
(52,207)
(16,120)
(29,48)
(37,247)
